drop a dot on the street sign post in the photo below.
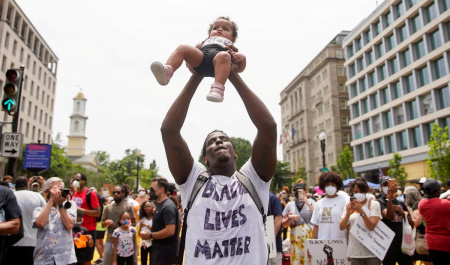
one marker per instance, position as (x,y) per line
(12,145)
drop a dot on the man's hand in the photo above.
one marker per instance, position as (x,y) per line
(398,209)
(145,235)
(391,191)
(109,223)
(55,194)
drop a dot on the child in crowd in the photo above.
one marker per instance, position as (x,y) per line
(124,240)
(81,238)
(145,224)
(211,58)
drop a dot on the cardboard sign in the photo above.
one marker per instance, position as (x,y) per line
(270,236)
(377,241)
(328,251)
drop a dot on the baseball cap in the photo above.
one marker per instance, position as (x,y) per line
(299,186)
(35,184)
(431,186)
(422,180)
(384,179)
(172,187)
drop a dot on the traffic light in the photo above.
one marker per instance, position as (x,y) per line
(11,90)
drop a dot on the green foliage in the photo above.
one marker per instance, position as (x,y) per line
(438,159)
(243,149)
(282,176)
(396,170)
(344,163)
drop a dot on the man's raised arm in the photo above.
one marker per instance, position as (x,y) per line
(264,154)
(178,155)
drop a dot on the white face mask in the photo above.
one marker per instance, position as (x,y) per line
(141,193)
(330,190)
(399,192)
(385,190)
(360,196)
(76,184)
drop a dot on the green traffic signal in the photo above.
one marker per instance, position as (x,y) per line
(8,104)
(11,90)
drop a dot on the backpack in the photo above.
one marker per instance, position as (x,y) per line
(201,180)
(101,201)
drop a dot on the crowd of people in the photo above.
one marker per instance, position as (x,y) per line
(57,225)
(332,215)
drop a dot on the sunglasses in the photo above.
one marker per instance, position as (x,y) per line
(116,192)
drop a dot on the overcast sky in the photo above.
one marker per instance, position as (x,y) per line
(105,47)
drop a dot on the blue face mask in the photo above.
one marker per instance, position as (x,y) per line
(10,184)
(283,195)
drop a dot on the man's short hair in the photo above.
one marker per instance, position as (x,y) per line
(21,182)
(162,183)
(83,176)
(49,182)
(7,177)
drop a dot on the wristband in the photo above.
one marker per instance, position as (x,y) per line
(60,206)
(362,215)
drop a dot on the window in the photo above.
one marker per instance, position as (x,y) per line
(365,105)
(406,57)
(369,57)
(368,35)
(431,12)
(390,42)
(340,70)
(387,119)
(360,63)
(4,64)
(76,126)
(403,141)
(7,40)
(360,151)
(358,43)
(444,97)
(439,68)
(427,104)
(344,121)
(21,55)
(413,110)
(385,95)
(416,135)
(376,123)
(420,49)
(372,79)
(390,143)
(393,65)
(435,39)
(356,110)
(339,54)
(400,9)
(416,24)
(397,89)
(27,129)
(399,115)
(445,4)
(351,68)
(29,108)
(350,50)
(375,102)
(346,138)
(14,48)
(354,90)
(388,19)
(402,33)
(342,87)
(377,27)
(382,71)
(367,129)
(370,148)
(362,84)
(428,130)
(424,77)
(409,82)
(343,103)
(379,146)
(379,50)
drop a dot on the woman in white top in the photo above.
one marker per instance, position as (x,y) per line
(297,215)
(367,209)
(328,211)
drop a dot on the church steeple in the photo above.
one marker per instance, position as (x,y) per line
(77,135)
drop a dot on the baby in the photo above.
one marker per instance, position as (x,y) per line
(212,58)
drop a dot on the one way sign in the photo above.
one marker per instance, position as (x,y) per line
(12,144)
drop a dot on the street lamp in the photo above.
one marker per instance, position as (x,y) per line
(322,138)
(138,155)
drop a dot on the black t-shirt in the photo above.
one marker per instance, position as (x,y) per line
(166,213)
(395,225)
(9,209)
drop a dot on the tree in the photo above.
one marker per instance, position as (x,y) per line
(396,170)
(243,149)
(282,176)
(438,159)
(344,163)
(146,175)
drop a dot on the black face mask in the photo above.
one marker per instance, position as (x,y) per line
(118,200)
(152,194)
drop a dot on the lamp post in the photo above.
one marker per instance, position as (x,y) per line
(138,155)
(322,138)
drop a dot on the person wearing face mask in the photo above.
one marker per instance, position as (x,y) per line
(393,213)
(328,211)
(165,227)
(110,218)
(142,196)
(89,213)
(369,211)
(297,216)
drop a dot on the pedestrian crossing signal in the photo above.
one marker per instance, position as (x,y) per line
(11,95)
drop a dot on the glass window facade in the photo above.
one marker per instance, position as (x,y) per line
(397,90)
(390,144)
(420,49)
(444,97)
(431,12)
(424,77)
(393,64)
(380,146)
(416,23)
(435,38)
(416,136)
(413,110)
(409,83)
(387,119)
(403,140)
(402,33)
(406,57)
(439,68)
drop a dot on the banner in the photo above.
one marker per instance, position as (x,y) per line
(328,251)
(377,241)
(270,236)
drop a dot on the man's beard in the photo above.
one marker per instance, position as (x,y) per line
(118,200)
(223,158)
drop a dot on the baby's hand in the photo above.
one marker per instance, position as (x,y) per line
(237,57)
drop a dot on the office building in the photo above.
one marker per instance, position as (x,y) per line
(397,63)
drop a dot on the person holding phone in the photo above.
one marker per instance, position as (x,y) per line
(367,209)
(393,212)
(54,221)
(297,215)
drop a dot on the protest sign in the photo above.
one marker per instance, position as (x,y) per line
(328,251)
(270,236)
(377,241)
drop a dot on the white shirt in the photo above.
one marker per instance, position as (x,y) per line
(327,215)
(28,201)
(224,224)
(216,40)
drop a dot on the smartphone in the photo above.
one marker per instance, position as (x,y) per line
(352,198)
(301,194)
(64,192)
(392,182)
